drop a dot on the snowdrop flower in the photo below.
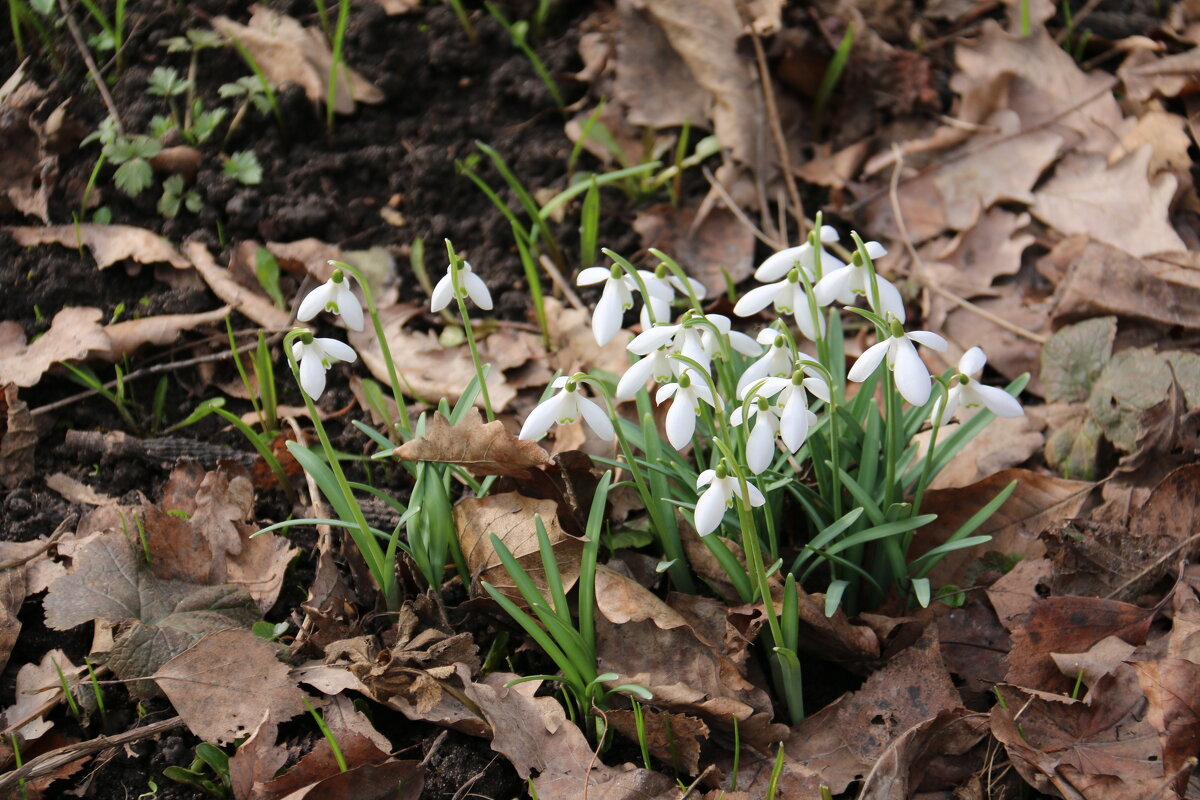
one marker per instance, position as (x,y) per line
(789,297)
(688,390)
(851,281)
(776,362)
(564,408)
(334,296)
(721,491)
(760,444)
(658,366)
(615,299)
(791,398)
(803,256)
(912,377)
(719,325)
(469,285)
(663,285)
(316,356)
(967,392)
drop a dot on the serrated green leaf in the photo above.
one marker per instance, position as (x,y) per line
(1074,357)
(133,176)
(165,82)
(243,167)
(1132,381)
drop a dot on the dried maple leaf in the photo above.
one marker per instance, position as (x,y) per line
(75,333)
(108,243)
(224,684)
(481,449)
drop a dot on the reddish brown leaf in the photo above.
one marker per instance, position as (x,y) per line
(481,449)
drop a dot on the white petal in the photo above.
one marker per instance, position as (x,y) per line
(559,382)
(930,340)
(912,378)
(818,387)
(875,250)
(312,376)
(972,361)
(635,378)
(753,374)
(710,509)
(794,425)
(756,300)
(868,361)
(298,348)
(835,286)
(476,289)
(720,322)
(596,418)
(756,497)
(698,288)
(780,264)
(760,445)
(890,300)
(700,391)
(443,293)
(661,309)
(998,401)
(647,342)
(744,344)
(811,327)
(665,392)
(829,234)
(592,275)
(337,350)
(680,421)
(542,417)
(606,320)
(705,478)
(315,302)
(349,308)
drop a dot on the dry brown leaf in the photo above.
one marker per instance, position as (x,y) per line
(257,760)
(387,780)
(1145,74)
(510,516)
(719,245)
(108,243)
(1116,205)
(74,491)
(18,437)
(291,53)
(27,171)
(1002,444)
(903,765)
(481,449)
(160,330)
(38,690)
(253,304)
(1168,140)
(1102,658)
(652,81)
(1169,685)
(393,7)
(977,257)
(575,347)
(671,738)
(224,684)
(1104,280)
(14,587)
(75,334)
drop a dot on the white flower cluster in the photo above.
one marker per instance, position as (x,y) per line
(316,355)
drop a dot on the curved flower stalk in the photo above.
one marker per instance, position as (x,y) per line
(851,281)
(688,391)
(966,392)
(566,407)
(803,256)
(900,351)
(316,356)
(470,285)
(335,297)
(723,488)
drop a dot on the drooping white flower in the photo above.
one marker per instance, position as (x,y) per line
(663,285)
(802,256)
(720,494)
(760,444)
(851,281)
(564,408)
(791,398)
(469,284)
(689,389)
(334,296)
(777,361)
(710,337)
(657,366)
(615,299)
(911,375)
(316,357)
(694,339)
(966,392)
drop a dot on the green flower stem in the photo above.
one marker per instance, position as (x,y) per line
(455,266)
(927,469)
(394,376)
(678,272)
(377,563)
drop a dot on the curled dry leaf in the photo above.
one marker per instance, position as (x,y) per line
(163,329)
(108,243)
(481,449)
(1103,280)
(14,587)
(291,53)
(251,302)
(224,684)
(1146,74)
(75,334)
(18,436)
(510,516)
(74,491)
(928,747)
(27,172)
(38,690)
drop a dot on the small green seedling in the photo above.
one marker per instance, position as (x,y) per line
(244,168)
(208,772)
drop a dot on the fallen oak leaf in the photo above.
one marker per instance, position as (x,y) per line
(108,243)
(224,684)
(75,334)
(481,449)
(258,307)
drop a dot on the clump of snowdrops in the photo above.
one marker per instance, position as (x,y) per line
(768,445)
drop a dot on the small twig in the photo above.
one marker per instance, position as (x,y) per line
(67,523)
(736,210)
(471,781)
(93,70)
(919,263)
(56,759)
(1077,18)
(1189,764)
(434,748)
(696,783)
(1157,562)
(561,282)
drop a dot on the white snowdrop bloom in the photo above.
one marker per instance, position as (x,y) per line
(316,356)
(615,299)
(776,362)
(788,297)
(564,408)
(802,256)
(689,389)
(710,339)
(852,281)
(657,366)
(911,375)
(966,392)
(663,285)
(791,398)
(334,296)
(469,284)
(760,444)
(720,494)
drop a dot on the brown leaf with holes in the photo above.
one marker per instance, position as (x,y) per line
(481,449)
(18,436)
(510,516)
(224,684)
(74,335)
(108,243)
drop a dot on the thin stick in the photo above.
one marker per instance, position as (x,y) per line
(919,263)
(736,210)
(91,65)
(67,522)
(696,783)
(56,759)
(1076,18)
(557,278)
